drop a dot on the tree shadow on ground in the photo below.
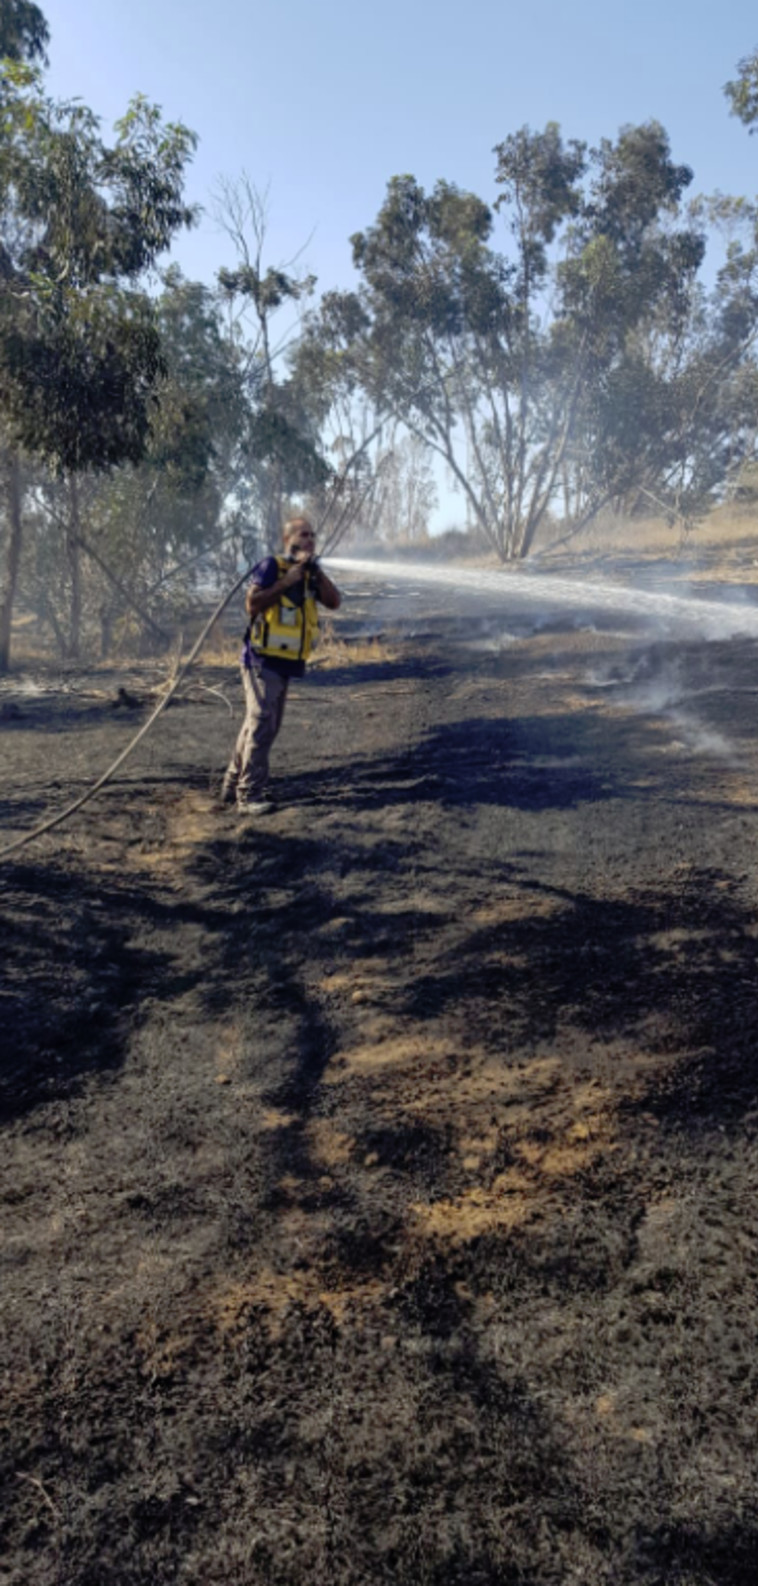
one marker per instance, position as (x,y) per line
(672,971)
(531,763)
(693,1555)
(82,953)
(72,972)
(481,760)
(665,974)
(34,809)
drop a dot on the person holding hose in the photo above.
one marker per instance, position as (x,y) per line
(282,604)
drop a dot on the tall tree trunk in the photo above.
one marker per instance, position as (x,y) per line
(13,560)
(74,558)
(275,513)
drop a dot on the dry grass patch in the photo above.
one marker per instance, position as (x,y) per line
(513,1197)
(274,1293)
(519,906)
(334,652)
(229,1051)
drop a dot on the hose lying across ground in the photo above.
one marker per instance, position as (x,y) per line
(57,820)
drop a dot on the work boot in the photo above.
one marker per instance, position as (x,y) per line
(261,804)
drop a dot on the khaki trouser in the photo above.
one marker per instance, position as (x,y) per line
(265,696)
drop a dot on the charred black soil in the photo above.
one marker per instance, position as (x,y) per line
(379,1179)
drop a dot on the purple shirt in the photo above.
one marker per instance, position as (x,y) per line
(264,574)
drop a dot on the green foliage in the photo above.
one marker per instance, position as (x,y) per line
(540,180)
(274,437)
(79,346)
(268,291)
(569,367)
(201,404)
(742,92)
(152,524)
(77,382)
(24,33)
(80,349)
(283,455)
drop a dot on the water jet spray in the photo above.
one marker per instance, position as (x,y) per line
(708,619)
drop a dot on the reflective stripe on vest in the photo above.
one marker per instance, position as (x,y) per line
(286,629)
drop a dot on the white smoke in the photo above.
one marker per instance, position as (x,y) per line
(645,682)
(681,614)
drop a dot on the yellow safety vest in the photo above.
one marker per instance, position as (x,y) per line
(286,630)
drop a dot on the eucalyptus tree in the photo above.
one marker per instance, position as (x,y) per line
(503,361)
(148,528)
(399,507)
(263,305)
(24,36)
(353,417)
(630,300)
(82,222)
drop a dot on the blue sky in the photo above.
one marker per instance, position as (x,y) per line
(323,104)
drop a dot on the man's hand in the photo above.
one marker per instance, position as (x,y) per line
(258,600)
(295,573)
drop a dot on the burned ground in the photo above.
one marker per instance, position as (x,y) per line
(379,1187)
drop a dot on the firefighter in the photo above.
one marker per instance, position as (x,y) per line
(282,604)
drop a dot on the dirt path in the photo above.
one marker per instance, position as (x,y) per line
(379,1187)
